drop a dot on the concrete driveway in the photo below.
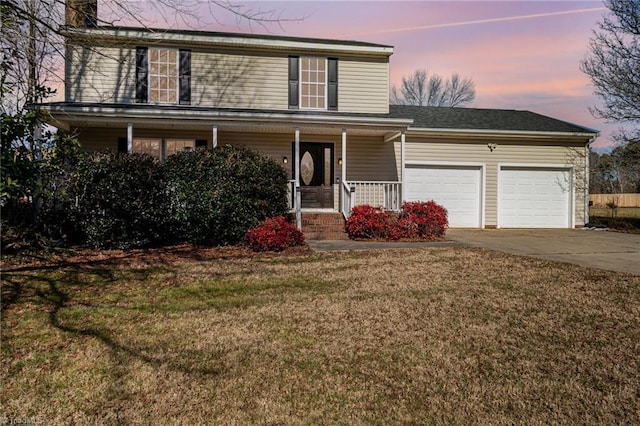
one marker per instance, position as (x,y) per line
(607,250)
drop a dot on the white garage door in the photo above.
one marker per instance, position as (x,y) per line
(534,198)
(458,189)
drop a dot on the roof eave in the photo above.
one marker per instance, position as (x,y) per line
(62,114)
(227,41)
(502,134)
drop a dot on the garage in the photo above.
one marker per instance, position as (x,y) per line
(456,187)
(534,197)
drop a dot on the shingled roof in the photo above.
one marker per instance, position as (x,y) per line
(483,119)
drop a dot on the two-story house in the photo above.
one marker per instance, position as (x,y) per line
(321,108)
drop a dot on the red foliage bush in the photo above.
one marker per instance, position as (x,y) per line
(418,220)
(367,222)
(428,220)
(274,234)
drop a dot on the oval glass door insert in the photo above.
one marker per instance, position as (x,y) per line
(306,168)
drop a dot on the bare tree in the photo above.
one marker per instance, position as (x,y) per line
(617,171)
(613,62)
(422,89)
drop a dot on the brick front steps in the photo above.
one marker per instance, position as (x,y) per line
(323,226)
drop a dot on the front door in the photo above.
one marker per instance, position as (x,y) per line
(316,175)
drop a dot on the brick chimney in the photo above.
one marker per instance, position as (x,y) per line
(81,13)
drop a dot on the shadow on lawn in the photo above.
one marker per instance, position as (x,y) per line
(52,284)
(104,263)
(121,354)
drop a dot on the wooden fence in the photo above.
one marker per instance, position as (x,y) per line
(622,200)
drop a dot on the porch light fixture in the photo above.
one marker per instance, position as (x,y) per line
(285,160)
(339,161)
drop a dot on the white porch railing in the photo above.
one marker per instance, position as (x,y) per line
(291,195)
(346,199)
(385,194)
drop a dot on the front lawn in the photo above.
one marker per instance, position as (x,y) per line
(223,336)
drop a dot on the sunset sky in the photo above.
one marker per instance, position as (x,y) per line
(521,54)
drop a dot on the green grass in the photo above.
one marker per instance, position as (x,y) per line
(440,335)
(624,219)
(620,212)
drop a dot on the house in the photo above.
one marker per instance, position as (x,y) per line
(322,104)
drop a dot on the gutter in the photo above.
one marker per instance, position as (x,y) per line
(498,133)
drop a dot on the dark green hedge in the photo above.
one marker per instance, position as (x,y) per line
(209,197)
(216,196)
(627,224)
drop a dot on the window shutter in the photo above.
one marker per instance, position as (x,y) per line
(332,102)
(294,82)
(185,77)
(123,145)
(201,143)
(142,72)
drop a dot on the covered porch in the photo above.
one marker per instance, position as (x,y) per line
(334,161)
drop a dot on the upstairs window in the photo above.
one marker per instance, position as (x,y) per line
(163,76)
(313,83)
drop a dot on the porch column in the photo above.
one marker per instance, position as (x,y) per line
(402,165)
(344,158)
(215,136)
(297,178)
(129,137)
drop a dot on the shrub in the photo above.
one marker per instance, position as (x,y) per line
(119,201)
(274,234)
(367,222)
(424,220)
(133,200)
(217,195)
(418,220)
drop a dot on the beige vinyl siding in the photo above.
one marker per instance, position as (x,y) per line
(223,80)
(100,139)
(363,86)
(239,81)
(511,152)
(371,159)
(103,74)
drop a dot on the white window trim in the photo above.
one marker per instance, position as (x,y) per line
(177,102)
(326,83)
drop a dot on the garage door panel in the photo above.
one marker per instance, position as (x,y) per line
(534,198)
(458,189)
